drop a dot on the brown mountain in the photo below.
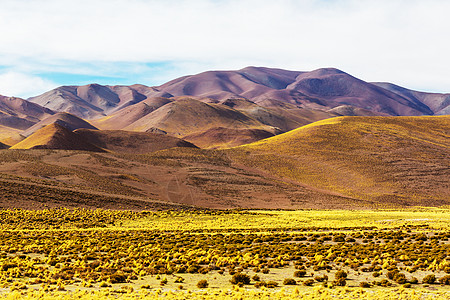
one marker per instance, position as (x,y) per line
(89,101)
(130,114)
(321,89)
(20,114)
(439,104)
(130,142)
(55,136)
(188,116)
(66,120)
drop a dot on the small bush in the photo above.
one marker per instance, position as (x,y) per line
(339,282)
(240,278)
(271,284)
(445,280)
(300,273)
(429,279)
(256,277)
(321,278)
(340,274)
(118,278)
(202,284)
(414,280)
(365,284)
(308,282)
(400,278)
(265,271)
(407,285)
(289,281)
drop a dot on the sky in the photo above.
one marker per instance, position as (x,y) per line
(49,43)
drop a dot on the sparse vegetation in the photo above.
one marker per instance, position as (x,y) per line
(99,250)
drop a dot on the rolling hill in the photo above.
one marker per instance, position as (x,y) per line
(338,163)
(130,114)
(220,137)
(188,116)
(130,142)
(66,120)
(388,160)
(55,136)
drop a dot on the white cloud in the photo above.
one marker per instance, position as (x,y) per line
(23,85)
(399,41)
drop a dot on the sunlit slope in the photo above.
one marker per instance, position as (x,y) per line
(395,160)
(55,136)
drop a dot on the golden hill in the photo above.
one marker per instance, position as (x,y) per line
(55,136)
(130,142)
(389,160)
(220,137)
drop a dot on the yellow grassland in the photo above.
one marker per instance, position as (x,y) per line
(75,254)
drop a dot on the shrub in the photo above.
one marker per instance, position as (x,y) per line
(400,278)
(407,285)
(289,281)
(118,278)
(256,277)
(300,273)
(271,284)
(340,274)
(308,282)
(376,274)
(321,278)
(365,284)
(340,282)
(202,284)
(391,274)
(179,280)
(429,279)
(265,271)
(240,278)
(445,280)
(414,280)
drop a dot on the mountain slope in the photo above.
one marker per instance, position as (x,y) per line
(3,146)
(388,160)
(321,89)
(438,103)
(20,114)
(220,137)
(188,116)
(130,142)
(66,120)
(89,101)
(55,136)
(130,114)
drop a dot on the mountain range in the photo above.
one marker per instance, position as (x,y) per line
(255,138)
(254,102)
